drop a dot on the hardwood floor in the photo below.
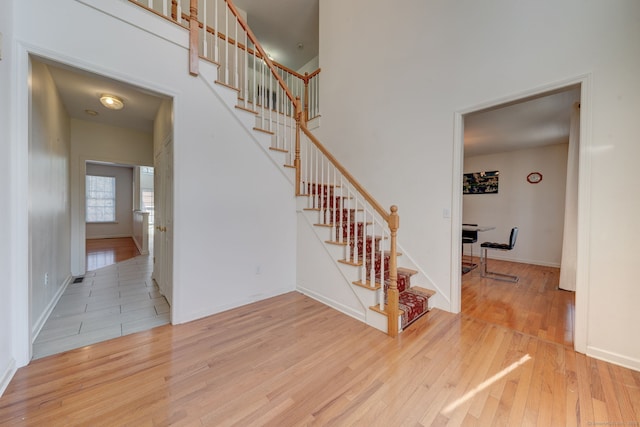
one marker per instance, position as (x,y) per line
(534,305)
(291,361)
(104,252)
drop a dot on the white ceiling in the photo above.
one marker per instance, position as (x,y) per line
(281,25)
(537,121)
(80,91)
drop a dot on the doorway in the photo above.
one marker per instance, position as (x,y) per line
(68,127)
(464,145)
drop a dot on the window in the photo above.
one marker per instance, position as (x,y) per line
(101,198)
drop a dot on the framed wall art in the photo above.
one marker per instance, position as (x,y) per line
(480,183)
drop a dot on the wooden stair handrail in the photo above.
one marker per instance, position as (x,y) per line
(392,219)
(258,46)
(377,206)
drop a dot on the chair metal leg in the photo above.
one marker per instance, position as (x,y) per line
(470,262)
(492,274)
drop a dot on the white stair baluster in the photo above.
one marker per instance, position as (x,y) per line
(277,102)
(372,269)
(262,66)
(356,256)
(363,236)
(270,104)
(215,31)
(204,27)
(226,46)
(254,87)
(317,103)
(323,199)
(381,297)
(315,178)
(348,230)
(335,207)
(245,92)
(340,222)
(236,73)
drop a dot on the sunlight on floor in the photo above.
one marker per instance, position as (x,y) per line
(486,383)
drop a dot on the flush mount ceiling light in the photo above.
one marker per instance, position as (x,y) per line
(91,112)
(111,102)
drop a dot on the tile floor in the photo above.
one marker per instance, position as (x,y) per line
(110,302)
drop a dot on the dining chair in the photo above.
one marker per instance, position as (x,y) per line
(469,237)
(501,247)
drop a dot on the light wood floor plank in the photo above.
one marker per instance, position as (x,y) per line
(292,361)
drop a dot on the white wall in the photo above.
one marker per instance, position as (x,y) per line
(99,142)
(234,209)
(49,196)
(536,209)
(123,225)
(389,105)
(7,193)
(310,66)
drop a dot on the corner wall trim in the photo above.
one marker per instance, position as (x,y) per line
(37,327)
(7,374)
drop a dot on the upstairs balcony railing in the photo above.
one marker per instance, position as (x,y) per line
(284,102)
(220,37)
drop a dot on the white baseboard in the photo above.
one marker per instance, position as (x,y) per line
(37,327)
(110,236)
(498,257)
(349,311)
(178,318)
(7,374)
(615,358)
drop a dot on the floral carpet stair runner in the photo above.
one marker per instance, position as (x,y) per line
(413,301)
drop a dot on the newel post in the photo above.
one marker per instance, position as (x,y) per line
(296,162)
(194,56)
(392,292)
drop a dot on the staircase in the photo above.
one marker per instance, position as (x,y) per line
(357,232)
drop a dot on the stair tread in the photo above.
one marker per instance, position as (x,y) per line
(428,292)
(263,130)
(248,110)
(353,263)
(376,308)
(281,150)
(367,285)
(407,271)
(335,242)
(226,85)
(323,185)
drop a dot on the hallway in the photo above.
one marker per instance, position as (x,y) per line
(110,302)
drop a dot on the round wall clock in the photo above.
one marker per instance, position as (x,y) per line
(534,177)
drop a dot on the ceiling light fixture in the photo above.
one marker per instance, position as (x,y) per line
(111,102)
(91,112)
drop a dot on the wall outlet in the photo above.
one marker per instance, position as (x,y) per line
(46,279)
(258,270)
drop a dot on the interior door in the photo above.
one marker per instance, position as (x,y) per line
(163,232)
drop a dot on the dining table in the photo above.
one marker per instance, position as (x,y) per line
(468,266)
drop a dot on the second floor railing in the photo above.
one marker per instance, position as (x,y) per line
(219,36)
